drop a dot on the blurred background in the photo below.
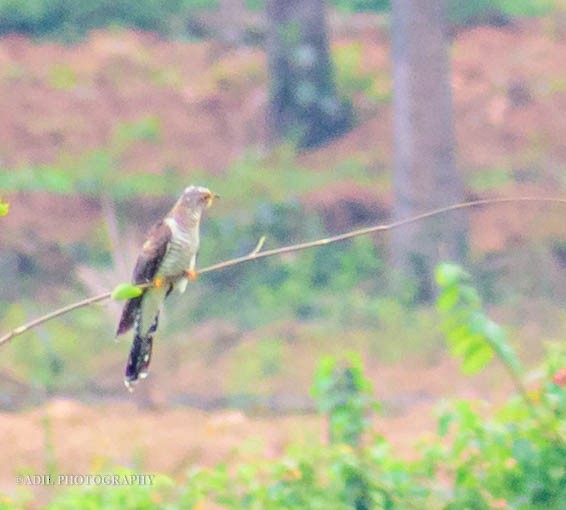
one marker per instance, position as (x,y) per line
(309,118)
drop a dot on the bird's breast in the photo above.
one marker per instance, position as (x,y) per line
(182,248)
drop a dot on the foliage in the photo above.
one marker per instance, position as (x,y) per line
(62,77)
(471,334)
(515,460)
(341,475)
(123,495)
(513,457)
(461,11)
(252,180)
(37,359)
(351,79)
(481,11)
(490,179)
(71,19)
(259,196)
(362,5)
(4,208)
(93,173)
(344,394)
(511,460)
(308,285)
(250,364)
(54,357)
(125,291)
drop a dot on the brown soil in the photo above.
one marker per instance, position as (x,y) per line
(170,439)
(509,88)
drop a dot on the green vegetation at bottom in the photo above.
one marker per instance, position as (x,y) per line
(512,457)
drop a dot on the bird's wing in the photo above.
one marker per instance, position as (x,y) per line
(153,252)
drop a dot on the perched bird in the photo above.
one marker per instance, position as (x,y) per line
(167,260)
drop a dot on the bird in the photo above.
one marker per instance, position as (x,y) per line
(167,261)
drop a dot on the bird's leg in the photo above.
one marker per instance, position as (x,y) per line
(159,282)
(190,273)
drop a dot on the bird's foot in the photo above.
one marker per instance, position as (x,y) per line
(191,274)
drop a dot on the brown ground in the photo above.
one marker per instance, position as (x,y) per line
(170,440)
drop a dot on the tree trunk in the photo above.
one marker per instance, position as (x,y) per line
(425,174)
(303,102)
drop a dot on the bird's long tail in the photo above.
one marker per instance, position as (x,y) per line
(140,354)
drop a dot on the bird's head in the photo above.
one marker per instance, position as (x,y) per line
(197,198)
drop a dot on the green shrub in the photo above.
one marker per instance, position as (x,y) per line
(362,5)
(352,80)
(514,459)
(4,208)
(122,496)
(305,285)
(69,19)
(345,395)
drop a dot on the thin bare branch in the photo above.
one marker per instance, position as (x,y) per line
(57,313)
(257,254)
(374,229)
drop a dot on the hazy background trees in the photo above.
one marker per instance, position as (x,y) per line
(304,105)
(425,173)
(303,101)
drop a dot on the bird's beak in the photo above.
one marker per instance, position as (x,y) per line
(210,198)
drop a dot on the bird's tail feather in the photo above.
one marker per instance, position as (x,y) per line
(140,354)
(129,314)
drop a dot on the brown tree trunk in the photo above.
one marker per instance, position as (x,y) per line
(425,173)
(303,102)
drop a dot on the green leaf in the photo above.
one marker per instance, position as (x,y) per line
(498,339)
(53,179)
(470,333)
(448,274)
(4,208)
(464,343)
(126,291)
(448,299)
(470,296)
(477,358)
(444,422)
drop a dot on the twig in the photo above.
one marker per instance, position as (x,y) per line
(371,230)
(256,253)
(259,246)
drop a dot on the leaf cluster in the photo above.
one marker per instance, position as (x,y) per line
(472,336)
(71,19)
(4,208)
